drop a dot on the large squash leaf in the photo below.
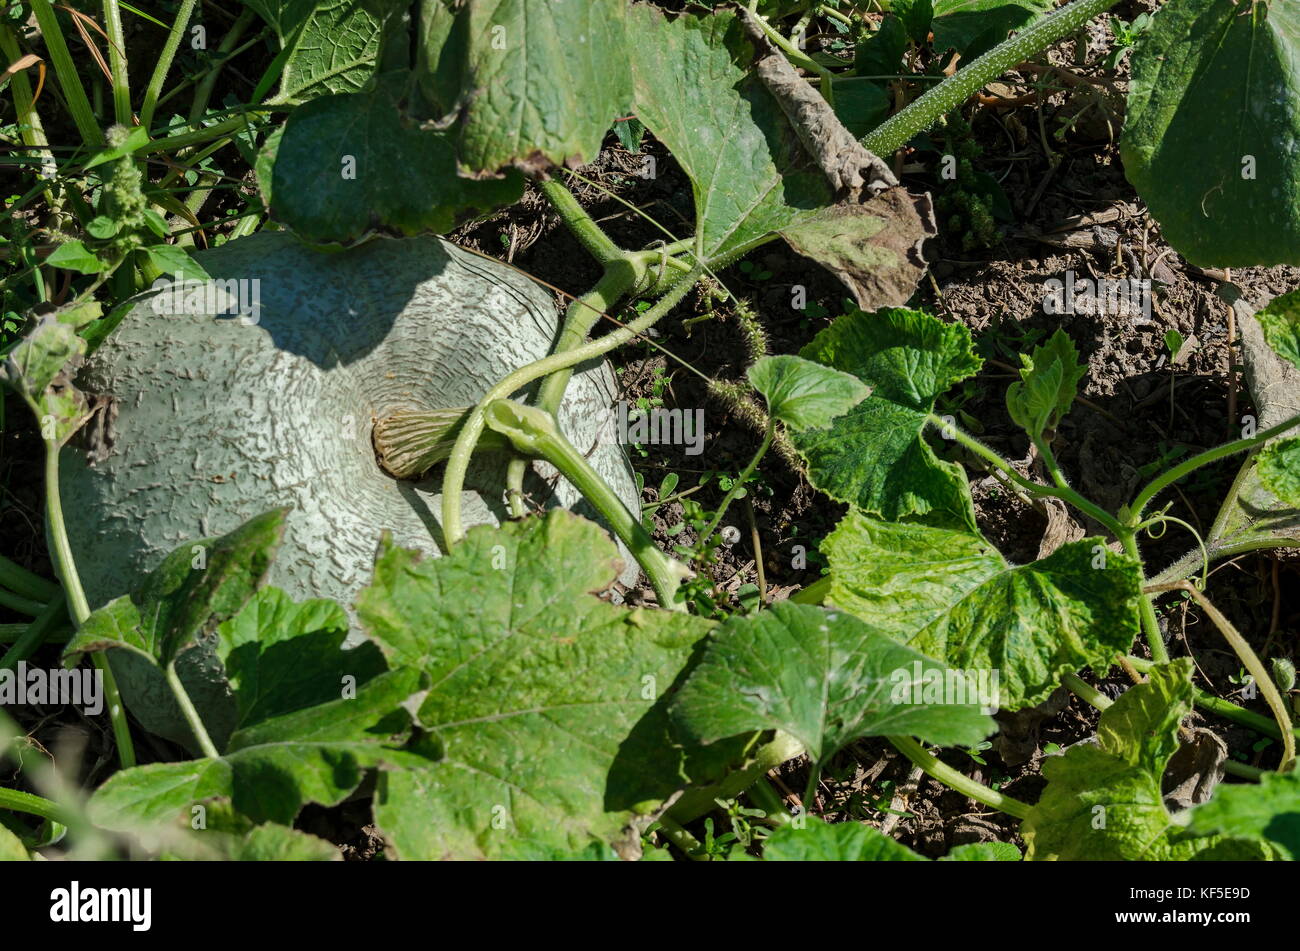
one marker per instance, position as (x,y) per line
(531,83)
(546,702)
(874,456)
(327,46)
(1269,809)
(1104,802)
(1230,64)
(825,678)
(347,164)
(951,595)
(270,769)
(820,841)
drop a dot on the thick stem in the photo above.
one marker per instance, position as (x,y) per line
(957,780)
(1251,661)
(925,111)
(17,801)
(66,72)
(66,568)
(583,226)
(1184,567)
(458,462)
(1160,482)
(408,443)
(165,62)
(1224,708)
(191,715)
(533,431)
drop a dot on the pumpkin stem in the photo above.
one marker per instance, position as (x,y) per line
(408,443)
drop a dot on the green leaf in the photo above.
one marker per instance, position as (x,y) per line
(347,164)
(1279,469)
(825,678)
(11,847)
(1269,809)
(1280,320)
(227,836)
(983,852)
(750,176)
(135,140)
(545,701)
(915,15)
(820,841)
(1047,386)
(40,368)
(973,27)
(271,769)
(952,596)
(530,83)
(1104,802)
(874,456)
(860,103)
(75,256)
(881,53)
(803,394)
(171,259)
(173,618)
(188,595)
(103,227)
(281,655)
(1235,62)
(330,46)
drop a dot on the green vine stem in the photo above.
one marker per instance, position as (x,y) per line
(191,715)
(1061,490)
(21,605)
(1146,607)
(117,63)
(165,59)
(1251,661)
(18,801)
(1184,567)
(1162,481)
(26,583)
(686,843)
(926,110)
(78,607)
(65,70)
(1224,708)
(458,462)
(533,431)
(959,781)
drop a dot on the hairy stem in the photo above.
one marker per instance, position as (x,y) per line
(926,110)
(117,63)
(191,715)
(1146,607)
(958,780)
(165,59)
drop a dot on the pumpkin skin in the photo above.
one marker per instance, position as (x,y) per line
(222,418)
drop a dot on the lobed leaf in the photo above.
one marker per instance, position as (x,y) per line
(803,394)
(951,595)
(874,456)
(1047,386)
